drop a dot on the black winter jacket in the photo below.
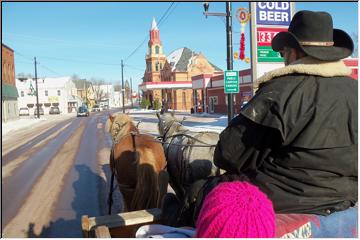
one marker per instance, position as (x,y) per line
(297,138)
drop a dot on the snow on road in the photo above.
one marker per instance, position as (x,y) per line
(27,122)
(195,122)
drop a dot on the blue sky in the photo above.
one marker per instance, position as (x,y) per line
(90,39)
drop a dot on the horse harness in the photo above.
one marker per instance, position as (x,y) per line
(113,172)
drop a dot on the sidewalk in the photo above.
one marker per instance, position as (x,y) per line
(30,121)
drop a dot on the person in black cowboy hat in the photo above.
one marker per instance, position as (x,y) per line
(297,137)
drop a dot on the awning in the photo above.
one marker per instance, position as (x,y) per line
(8,91)
(165,85)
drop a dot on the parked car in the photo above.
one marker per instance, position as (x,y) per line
(96,108)
(54,110)
(41,111)
(83,111)
(24,112)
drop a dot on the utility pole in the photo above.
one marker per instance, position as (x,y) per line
(85,92)
(131,93)
(229,56)
(37,91)
(229,49)
(122,86)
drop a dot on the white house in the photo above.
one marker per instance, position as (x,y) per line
(59,92)
(117,99)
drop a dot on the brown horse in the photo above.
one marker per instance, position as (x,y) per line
(137,161)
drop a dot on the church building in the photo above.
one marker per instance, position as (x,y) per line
(169,78)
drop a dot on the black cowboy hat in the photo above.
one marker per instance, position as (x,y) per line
(313,33)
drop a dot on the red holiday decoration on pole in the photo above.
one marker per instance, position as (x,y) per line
(243,16)
(242,46)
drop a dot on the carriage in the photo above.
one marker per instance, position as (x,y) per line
(339,224)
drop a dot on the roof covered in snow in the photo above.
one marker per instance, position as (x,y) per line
(181,58)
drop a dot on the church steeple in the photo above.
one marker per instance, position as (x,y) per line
(154,33)
(155,58)
(154,24)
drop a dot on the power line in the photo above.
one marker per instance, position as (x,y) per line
(24,62)
(134,67)
(23,56)
(222,19)
(137,48)
(43,66)
(163,16)
(133,52)
(77,60)
(61,59)
(65,43)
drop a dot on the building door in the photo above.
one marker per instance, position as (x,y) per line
(151,101)
(183,101)
(212,105)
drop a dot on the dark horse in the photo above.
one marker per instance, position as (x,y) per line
(189,157)
(137,160)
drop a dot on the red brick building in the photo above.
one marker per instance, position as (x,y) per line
(8,86)
(352,63)
(211,89)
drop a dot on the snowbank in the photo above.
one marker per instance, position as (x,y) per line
(19,124)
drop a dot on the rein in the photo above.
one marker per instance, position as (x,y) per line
(113,172)
(191,137)
(165,138)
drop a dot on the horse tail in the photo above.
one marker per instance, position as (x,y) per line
(150,184)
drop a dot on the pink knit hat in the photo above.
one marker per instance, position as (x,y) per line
(236,210)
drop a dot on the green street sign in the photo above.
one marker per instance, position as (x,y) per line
(266,54)
(231,81)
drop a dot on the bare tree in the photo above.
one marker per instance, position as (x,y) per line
(79,83)
(117,87)
(127,90)
(24,75)
(100,94)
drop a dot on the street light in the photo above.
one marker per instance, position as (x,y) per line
(229,49)
(206,8)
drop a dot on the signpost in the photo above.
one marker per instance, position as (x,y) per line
(267,20)
(231,82)
(264,51)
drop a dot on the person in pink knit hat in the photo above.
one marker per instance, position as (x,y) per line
(236,209)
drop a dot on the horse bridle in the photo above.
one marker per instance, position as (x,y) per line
(120,127)
(167,129)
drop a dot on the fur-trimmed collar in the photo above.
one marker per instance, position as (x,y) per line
(309,66)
